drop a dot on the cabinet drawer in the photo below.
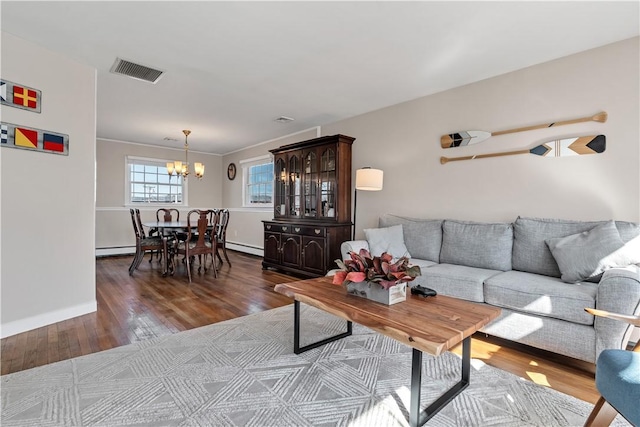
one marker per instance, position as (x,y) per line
(304,230)
(313,231)
(279,228)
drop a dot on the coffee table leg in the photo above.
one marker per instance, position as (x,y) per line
(296,332)
(417,417)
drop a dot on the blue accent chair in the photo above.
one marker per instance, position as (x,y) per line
(617,380)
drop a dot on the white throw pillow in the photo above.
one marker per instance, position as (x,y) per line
(586,255)
(389,240)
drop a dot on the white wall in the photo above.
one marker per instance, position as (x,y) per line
(48,222)
(404,141)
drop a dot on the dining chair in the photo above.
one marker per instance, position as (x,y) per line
(196,241)
(167,215)
(143,243)
(617,380)
(221,231)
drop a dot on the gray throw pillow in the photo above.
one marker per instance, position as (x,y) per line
(423,237)
(588,254)
(477,244)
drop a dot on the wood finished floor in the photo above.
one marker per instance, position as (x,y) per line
(147,305)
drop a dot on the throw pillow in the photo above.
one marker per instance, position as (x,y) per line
(585,255)
(388,239)
(477,244)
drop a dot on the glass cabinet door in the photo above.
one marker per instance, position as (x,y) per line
(328,184)
(280,190)
(310,185)
(295,190)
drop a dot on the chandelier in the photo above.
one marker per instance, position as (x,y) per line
(182,168)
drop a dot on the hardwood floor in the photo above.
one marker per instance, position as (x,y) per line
(147,305)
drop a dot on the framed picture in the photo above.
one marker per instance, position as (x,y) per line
(231,171)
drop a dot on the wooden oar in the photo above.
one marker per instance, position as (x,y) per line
(468,137)
(558,148)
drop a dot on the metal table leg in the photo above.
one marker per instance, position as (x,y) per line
(417,417)
(296,332)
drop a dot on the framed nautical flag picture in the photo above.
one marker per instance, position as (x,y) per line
(26,138)
(20,96)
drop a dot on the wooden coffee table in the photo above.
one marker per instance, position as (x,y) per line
(433,325)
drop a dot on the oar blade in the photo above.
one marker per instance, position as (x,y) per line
(594,144)
(460,139)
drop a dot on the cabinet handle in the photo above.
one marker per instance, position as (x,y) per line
(297,229)
(284,228)
(268,227)
(317,231)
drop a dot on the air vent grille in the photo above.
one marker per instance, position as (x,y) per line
(136,71)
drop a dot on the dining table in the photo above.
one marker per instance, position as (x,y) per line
(167,228)
(172,225)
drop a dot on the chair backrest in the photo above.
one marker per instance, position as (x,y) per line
(197,222)
(221,230)
(134,223)
(137,224)
(212,214)
(167,214)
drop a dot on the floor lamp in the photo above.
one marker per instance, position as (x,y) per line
(367,179)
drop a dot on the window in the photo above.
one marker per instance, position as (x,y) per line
(257,179)
(147,181)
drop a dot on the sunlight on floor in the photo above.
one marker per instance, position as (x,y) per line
(387,412)
(537,377)
(392,406)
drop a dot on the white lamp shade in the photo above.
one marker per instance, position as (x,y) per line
(368,179)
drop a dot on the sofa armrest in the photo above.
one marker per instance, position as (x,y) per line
(352,246)
(618,292)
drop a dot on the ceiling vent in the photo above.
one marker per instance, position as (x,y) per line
(136,71)
(283,119)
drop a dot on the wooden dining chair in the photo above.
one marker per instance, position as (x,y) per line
(617,380)
(196,241)
(221,231)
(143,243)
(167,215)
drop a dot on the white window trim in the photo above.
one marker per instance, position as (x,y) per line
(127,183)
(245,164)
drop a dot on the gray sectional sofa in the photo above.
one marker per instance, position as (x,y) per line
(511,266)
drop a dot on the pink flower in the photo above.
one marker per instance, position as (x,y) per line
(363,267)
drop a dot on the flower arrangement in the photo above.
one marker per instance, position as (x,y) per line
(382,270)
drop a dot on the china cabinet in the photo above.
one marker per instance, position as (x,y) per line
(312,205)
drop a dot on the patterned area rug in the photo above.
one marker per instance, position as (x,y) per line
(243,372)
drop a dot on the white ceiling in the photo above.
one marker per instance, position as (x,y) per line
(234,67)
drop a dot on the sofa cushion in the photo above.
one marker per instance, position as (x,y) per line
(387,239)
(559,336)
(588,254)
(541,295)
(476,244)
(457,281)
(531,253)
(423,237)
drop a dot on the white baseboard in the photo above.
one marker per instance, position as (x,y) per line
(34,322)
(118,250)
(245,248)
(130,250)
